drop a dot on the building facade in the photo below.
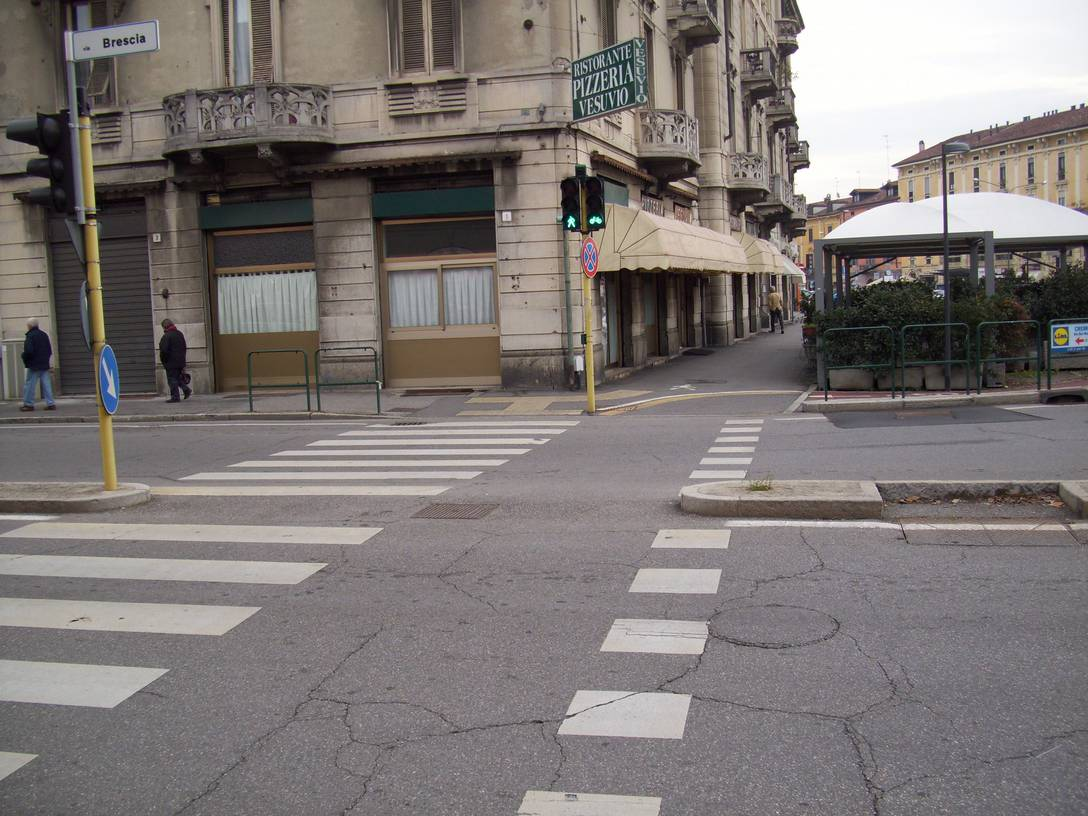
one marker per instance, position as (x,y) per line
(385,174)
(1043,157)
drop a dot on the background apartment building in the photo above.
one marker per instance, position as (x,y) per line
(339,173)
(1043,157)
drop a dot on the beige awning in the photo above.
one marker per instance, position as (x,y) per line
(759,254)
(790,268)
(635,239)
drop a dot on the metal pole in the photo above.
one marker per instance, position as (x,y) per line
(73,123)
(587,315)
(947,277)
(567,302)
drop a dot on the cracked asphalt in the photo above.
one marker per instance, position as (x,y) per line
(427,671)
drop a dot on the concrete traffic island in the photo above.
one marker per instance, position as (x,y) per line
(69,497)
(784,499)
(837,500)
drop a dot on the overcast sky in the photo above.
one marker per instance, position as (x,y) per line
(929,70)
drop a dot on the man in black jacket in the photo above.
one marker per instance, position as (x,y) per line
(37,351)
(172,357)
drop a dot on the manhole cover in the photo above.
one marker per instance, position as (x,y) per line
(774,626)
(455,511)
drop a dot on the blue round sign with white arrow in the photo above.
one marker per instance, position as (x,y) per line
(109,380)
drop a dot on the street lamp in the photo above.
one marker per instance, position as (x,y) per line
(946,149)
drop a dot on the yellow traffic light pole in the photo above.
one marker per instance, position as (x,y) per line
(587,313)
(94,297)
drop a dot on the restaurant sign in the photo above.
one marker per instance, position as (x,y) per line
(610,80)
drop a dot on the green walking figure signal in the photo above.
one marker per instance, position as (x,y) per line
(582,202)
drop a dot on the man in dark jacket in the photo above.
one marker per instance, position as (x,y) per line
(37,351)
(172,357)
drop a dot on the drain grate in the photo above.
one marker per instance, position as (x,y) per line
(409,422)
(455,511)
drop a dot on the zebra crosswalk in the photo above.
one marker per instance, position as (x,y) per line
(411,459)
(68,678)
(730,455)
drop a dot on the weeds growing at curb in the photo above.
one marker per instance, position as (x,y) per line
(761,485)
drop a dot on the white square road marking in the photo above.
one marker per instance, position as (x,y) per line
(558,803)
(75,684)
(737,460)
(692,539)
(728,475)
(10,762)
(656,637)
(741,449)
(677,581)
(646,714)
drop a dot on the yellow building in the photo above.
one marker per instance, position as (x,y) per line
(1043,157)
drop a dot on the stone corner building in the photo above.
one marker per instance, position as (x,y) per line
(342,173)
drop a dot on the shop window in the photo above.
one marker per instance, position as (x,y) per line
(426,35)
(413,298)
(261,302)
(441,296)
(247,40)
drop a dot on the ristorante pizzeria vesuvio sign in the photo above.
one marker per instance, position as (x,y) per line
(610,80)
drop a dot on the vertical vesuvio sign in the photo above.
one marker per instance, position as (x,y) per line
(610,80)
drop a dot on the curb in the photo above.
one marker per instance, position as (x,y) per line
(838,500)
(818,406)
(69,497)
(233,417)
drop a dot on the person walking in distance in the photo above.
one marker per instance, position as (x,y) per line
(37,351)
(774,304)
(172,357)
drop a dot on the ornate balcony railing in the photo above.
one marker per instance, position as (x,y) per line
(782,204)
(667,134)
(758,72)
(694,22)
(780,110)
(787,30)
(747,171)
(799,156)
(265,114)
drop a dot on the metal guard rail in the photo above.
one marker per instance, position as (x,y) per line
(376,380)
(842,329)
(305,367)
(1050,340)
(983,361)
(965,362)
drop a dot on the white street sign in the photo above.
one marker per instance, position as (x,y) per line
(114,41)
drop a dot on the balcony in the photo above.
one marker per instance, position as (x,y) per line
(787,30)
(780,110)
(668,143)
(799,156)
(272,117)
(758,73)
(694,22)
(781,204)
(747,179)
(798,218)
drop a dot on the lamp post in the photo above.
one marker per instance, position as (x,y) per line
(946,149)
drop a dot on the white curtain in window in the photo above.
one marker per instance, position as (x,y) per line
(413,297)
(267,302)
(469,295)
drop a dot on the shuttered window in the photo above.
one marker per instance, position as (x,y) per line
(427,37)
(260,12)
(98,76)
(248,40)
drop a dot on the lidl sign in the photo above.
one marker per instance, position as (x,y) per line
(610,80)
(1069,337)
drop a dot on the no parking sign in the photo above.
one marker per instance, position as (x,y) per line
(590,257)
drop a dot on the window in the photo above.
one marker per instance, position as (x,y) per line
(247,41)
(1061,167)
(1031,170)
(951,182)
(926,183)
(1001,176)
(98,76)
(608,22)
(427,35)
(810,234)
(679,64)
(974,180)
(910,190)
(1061,199)
(648,33)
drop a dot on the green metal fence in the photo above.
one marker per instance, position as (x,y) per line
(890,365)
(984,361)
(1050,340)
(305,367)
(375,380)
(965,361)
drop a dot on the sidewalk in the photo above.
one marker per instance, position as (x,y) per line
(762,363)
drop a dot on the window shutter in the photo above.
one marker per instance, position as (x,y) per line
(224,23)
(443,35)
(413,55)
(260,12)
(100,74)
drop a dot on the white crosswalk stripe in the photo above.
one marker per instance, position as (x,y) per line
(10,762)
(288,463)
(119,616)
(409,452)
(341,475)
(459,432)
(297,490)
(508,423)
(734,431)
(157,569)
(227,533)
(424,442)
(73,684)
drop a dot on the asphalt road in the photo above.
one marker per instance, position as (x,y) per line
(454,666)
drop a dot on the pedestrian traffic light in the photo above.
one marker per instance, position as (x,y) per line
(594,203)
(49,133)
(570,193)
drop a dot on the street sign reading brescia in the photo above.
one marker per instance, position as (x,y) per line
(610,80)
(115,41)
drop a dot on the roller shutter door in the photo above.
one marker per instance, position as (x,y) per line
(126,282)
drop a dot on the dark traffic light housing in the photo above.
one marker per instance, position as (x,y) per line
(50,134)
(570,194)
(594,203)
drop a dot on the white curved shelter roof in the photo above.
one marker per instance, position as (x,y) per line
(1013,219)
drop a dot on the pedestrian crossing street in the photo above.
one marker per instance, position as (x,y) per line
(417,458)
(59,682)
(730,456)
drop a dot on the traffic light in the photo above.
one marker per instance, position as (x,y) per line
(49,133)
(594,204)
(570,193)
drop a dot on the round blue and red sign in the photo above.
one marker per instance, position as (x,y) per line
(590,257)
